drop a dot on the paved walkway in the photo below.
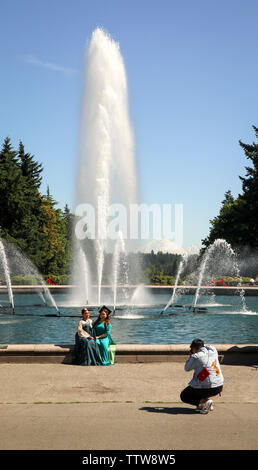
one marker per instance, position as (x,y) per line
(127,406)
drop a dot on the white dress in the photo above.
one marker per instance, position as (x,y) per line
(81,325)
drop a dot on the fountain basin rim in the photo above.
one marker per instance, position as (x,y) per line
(56,349)
(32,288)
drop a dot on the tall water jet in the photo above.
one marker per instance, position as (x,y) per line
(7,276)
(107,169)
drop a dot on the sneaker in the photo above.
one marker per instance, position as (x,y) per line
(206,407)
(199,407)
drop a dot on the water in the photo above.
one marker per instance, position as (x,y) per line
(224,322)
(4,262)
(10,254)
(172,299)
(107,169)
(119,248)
(85,274)
(219,248)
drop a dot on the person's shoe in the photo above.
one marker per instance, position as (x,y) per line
(206,407)
(199,407)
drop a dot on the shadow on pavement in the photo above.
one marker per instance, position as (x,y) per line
(241,356)
(172,411)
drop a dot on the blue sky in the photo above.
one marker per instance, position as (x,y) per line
(192,72)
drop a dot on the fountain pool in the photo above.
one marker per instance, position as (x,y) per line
(223,322)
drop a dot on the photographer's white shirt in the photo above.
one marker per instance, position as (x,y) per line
(207,357)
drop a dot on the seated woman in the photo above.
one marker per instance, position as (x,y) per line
(86,351)
(101,331)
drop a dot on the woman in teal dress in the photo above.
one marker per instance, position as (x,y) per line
(101,332)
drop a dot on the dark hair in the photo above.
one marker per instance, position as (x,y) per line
(107,321)
(85,310)
(197,344)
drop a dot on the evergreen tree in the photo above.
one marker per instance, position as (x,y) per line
(31,170)
(49,198)
(69,220)
(237,221)
(12,192)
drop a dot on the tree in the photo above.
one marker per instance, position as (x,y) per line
(12,192)
(28,218)
(49,198)
(237,221)
(31,170)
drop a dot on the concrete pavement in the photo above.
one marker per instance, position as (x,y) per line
(126,406)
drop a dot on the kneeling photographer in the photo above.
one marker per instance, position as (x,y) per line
(207,379)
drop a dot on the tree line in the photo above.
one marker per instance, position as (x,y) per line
(44,232)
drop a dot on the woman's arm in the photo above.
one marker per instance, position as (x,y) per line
(81,332)
(104,335)
(101,336)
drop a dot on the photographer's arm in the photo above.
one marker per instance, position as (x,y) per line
(190,363)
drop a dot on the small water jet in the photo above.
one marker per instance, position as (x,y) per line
(4,262)
(225,255)
(85,273)
(179,271)
(120,266)
(100,264)
(119,247)
(23,266)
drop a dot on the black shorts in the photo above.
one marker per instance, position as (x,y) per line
(193,395)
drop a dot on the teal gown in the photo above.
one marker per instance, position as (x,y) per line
(107,346)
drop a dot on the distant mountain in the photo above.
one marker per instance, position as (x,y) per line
(168,246)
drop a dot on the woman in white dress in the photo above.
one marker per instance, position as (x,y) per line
(86,351)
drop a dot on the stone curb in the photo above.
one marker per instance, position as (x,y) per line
(244,354)
(126,348)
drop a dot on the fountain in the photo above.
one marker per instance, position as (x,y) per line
(106,169)
(120,266)
(23,266)
(221,258)
(225,252)
(85,273)
(119,247)
(179,271)
(45,290)
(4,262)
